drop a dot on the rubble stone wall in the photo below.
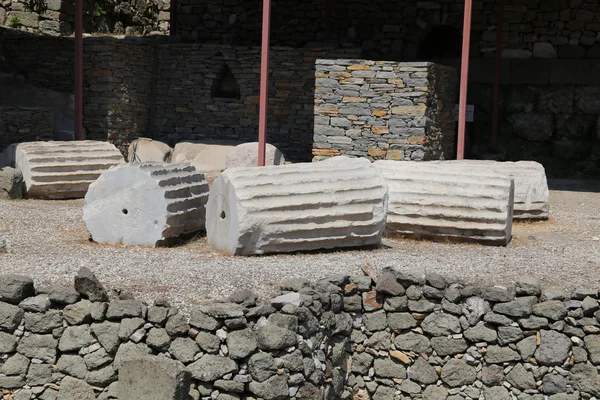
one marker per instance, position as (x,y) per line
(384,110)
(399,30)
(383,336)
(18,124)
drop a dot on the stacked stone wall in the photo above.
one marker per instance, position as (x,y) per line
(388,335)
(23,124)
(398,30)
(384,110)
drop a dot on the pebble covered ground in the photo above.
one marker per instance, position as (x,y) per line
(50,243)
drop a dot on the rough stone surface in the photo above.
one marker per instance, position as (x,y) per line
(456,373)
(175,193)
(553,349)
(246,155)
(153,377)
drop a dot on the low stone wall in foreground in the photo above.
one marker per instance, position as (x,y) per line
(398,334)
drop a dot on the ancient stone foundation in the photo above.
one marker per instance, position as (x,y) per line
(149,204)
(62,170)
(394,334)
(337,203)
(448,201)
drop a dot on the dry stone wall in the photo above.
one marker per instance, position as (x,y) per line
(25,124)
(384,110)
(389,334)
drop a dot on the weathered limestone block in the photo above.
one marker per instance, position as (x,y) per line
(339,202)
(62,170)
(145,204)
(448,202)
(531,186)
(144,149)
(246,155)
(207,156)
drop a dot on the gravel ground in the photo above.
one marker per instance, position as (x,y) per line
(50,243)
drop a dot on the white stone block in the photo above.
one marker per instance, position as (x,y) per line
(448,202)
(532,196)
(206,156)
(144,149)
(340,202)
(63,170)
(145,204)
(246,155)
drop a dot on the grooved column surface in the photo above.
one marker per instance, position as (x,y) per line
(335,203)
(448,201)
(63,170)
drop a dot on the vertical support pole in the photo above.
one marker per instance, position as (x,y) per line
(464,77)
(173,18)
(264,83)
(497,77)
(78,70)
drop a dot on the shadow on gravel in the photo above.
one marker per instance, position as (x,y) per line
(575,185)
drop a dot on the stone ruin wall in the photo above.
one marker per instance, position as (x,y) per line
(386,30)
(25,124)
(409,334)
(384,110)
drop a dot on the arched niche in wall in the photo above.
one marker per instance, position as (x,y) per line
(225,86)
(443,41)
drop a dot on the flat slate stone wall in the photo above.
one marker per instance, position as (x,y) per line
(25,124)
(388,335)
(384,110)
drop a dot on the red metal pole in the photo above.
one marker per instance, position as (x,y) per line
(264,83)
(173,18)
(497,78)
(78,70)
(464,77)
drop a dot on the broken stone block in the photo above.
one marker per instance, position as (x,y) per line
(340,202)
(144,149)
(448,201)
(246,155)
(148,204)
(63,170)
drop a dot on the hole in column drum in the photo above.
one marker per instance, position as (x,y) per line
(124,211)
(223,215)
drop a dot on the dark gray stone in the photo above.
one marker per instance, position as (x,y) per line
(399,303)
(63,294)
(387,368)
(88,285)
(421,306)
(410,387)
(533,323)
(261,366)
(497,319)
(223,310)
(43,322)
(40,303)
(521,378)
(375,321)
(107,334)
(241,344)
(200,320)
(158,315)
(101,377)
(526,347)
(592,344)
(75,338)
(445,346)
(388,284)
(496,393)
(379,341)
(159,339)
(413,342)
(10,316)
(128,327)
(554,383)
(17,364)
(441,324)
(78,313)
(421,371)
(552,309)
(384,393)
(481,333)
(401,321)
(520,307)
(554,348)
(435,393)
(42,347)
(153,377)
(509,334)
(73,365)
(553,293)
(436,280)
(15,288)
(589,306)
(274,388)
(129,351)
(229,386)
(584,377)
(456,373)
(97,359)
(208,342)
(184,349)
(71,388)
(492,375)
(12,382)
(211,367)
(272,337)
(499,355)
(8,342)
(177,325)
(118,309)
(497,294)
